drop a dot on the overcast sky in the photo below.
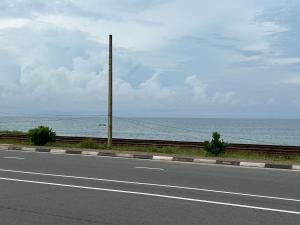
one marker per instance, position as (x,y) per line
(172,58)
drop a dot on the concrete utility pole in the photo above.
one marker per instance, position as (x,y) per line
(110,89)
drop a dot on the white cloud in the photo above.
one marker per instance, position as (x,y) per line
(200,94)
(198,88)
(81,88)
(294,80)
(153,88)
(12,23)
(53,56)
(284,61)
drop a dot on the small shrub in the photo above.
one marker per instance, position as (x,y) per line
(41,135)
(215,146)
(89,144)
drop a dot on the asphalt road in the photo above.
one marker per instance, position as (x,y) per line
(43,188)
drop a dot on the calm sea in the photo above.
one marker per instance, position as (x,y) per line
(257,131)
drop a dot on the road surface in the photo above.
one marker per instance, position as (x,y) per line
(47,189)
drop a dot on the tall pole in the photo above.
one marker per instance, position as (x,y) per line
(110,89)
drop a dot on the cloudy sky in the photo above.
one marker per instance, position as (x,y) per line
(172,58)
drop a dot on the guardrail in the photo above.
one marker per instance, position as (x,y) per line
(270,149)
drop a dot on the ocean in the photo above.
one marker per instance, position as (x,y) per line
(252,131)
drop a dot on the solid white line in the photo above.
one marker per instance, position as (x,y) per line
(154,195)
(148,168)
(154,185)
(7,157)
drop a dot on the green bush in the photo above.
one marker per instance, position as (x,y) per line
(41,135)
(215,146)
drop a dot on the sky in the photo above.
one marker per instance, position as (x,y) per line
(172,58)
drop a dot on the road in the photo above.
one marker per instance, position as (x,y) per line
(43,188)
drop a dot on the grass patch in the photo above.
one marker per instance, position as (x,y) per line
(164,150)
(12,132)
(14,142)
(89,144)
(262,156)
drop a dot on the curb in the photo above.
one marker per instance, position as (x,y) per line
(252,164)
(90,153)
(279,166)
(228,162)
(154,157)
(164,158)
(40,149)
(58,151)
(182,159)
(206,161)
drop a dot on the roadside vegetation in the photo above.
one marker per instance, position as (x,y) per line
(12,132)
(41,135)
(216,146)
(194,152)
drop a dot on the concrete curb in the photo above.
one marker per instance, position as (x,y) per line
(108,154)
(296,167)
(165,158)
(42,149)
(28,149)
(124,155)
(91,153)
(207,161)
(228,162)
(278,166)
(182,159)
(73,152)
(58,151)
(140,156)
(154,157)
(252,164)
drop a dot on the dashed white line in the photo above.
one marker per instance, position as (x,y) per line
(148,168)
(153,195)
(9,157)
(152,184)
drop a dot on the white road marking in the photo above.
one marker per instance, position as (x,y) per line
(150,184)
(148,168)
(8,157)
(153,195)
